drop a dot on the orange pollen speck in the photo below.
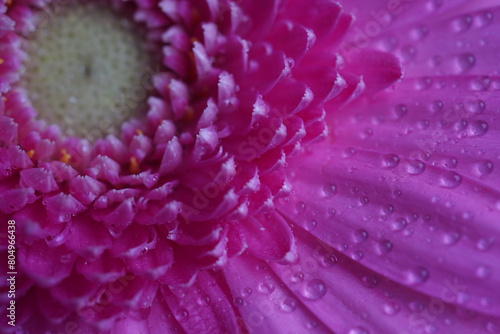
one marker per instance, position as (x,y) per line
(134,165)
(139,132)
(1,61)
(30,153)
(8,2)
(65,156)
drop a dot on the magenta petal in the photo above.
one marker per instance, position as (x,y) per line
(172,157)
(206,308)
(121,217)
(15,199)
(153,265)
(106,169)
(47,266)
(391,214)
(8,131)
(75,290)
(39,179)
(379,70)
(270,238)
(103,269)
(85,188)
(62,172)
(61,207)
(51,308)
(161,319)
(327,282)
(134,241)
(89,238)
(268,304)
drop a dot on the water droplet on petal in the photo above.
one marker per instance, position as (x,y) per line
(179,292)
(485,167)
(388,209)
(391,308)
(451,238)
(462,23)
(358,256)
(415,167)
(424,83)
(300,207)
(408,52)
(483,271)
(400,110)
(312,324)
(484,18)
(436,106)
(476,106)
(451,180)
(391,160)
(466,61)
(298,277)
(492,328)
(289,305)
(359,330)
(310,225)
(349,152)
(418,275)
(329,260)
(384,247)
(360,236)
(203,300)
(315,289)
(398,224)
(266,288)
(478,128)
(370,281)
(181,314)
(329,189)
(246,292)
(485,244)
(430,329)
(420,32)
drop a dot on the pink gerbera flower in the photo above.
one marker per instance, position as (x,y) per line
(250,166)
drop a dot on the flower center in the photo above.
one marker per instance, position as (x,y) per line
(84,66)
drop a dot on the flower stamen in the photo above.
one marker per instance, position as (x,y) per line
(66,157)
(134,166)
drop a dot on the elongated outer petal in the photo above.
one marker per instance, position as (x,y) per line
(267,306)
(410,192)
(204,308)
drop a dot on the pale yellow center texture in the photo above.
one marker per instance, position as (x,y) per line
(86,71)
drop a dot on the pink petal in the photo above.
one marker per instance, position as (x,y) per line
(267,306)
(172,157)
(372,175)
(204,308)
(155,263)
(270,238)
(88,239)
(46,266)
(39,179)
(61,207)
